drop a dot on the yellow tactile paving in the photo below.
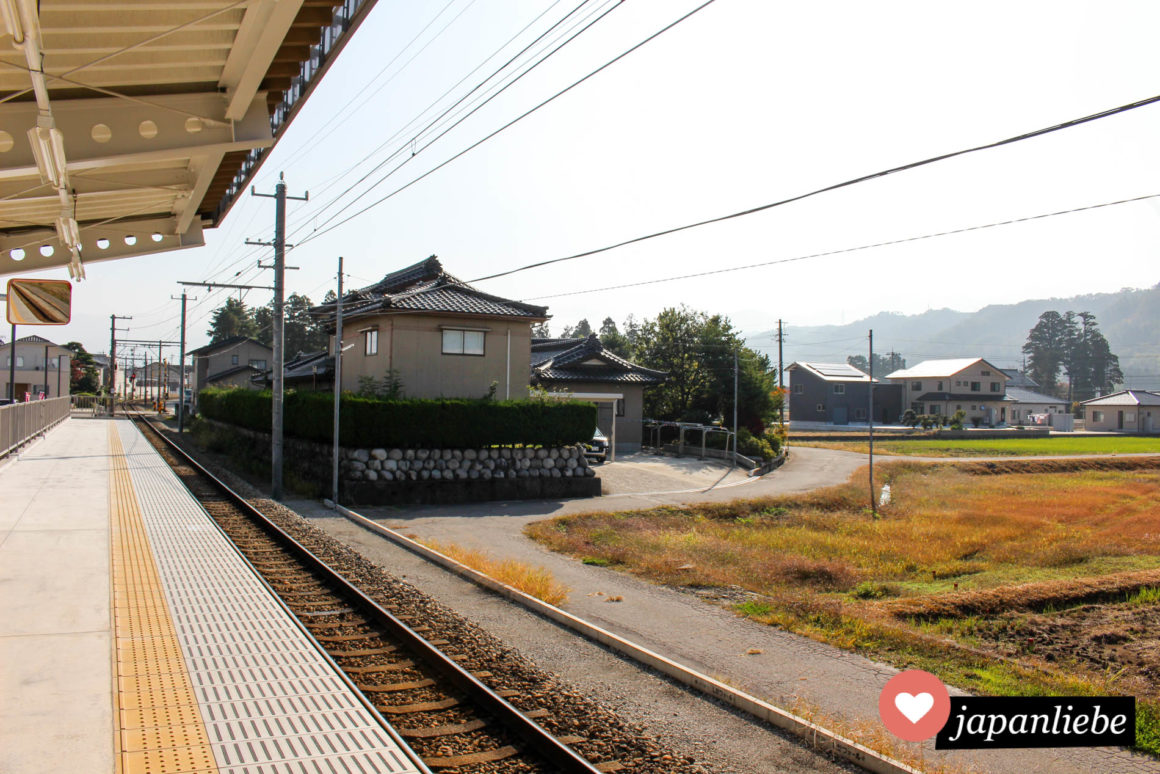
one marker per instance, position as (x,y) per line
(159,727)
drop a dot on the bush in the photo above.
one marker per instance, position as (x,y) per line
(957,419)
(443,423)
(910,418)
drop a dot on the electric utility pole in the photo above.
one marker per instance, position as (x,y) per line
(870,416)
(337,381)
(780,373)
(736,369)
(113,358)
(181,368)
(279,244)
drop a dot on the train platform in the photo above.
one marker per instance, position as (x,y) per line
(134,638)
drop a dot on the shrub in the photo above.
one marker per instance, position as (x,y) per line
(957,419)
(442,423)
(976,421)
(910,418)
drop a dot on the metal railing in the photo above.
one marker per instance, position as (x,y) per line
(20,422)
(97,405)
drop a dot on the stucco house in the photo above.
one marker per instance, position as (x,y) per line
(232,362)
(942,387)
(41,366)
(1130,411)
(584,367)
(437,335)
(838,393)
(1023,403)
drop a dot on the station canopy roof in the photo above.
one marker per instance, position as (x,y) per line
(126,127)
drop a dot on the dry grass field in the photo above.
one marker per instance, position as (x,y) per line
(531,579)
(1020,578)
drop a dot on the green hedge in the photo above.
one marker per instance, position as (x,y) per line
(415,423)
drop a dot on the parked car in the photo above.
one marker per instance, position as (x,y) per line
(597,448)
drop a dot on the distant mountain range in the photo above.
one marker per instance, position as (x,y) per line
(1130,319)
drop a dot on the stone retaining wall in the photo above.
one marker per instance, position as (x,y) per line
(389,476)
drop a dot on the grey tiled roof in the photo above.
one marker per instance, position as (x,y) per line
(1020,395)
(426,287)
(209,349)
(571,364)
(968,397)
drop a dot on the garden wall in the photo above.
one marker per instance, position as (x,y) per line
(382,476)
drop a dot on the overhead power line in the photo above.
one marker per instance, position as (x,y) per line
(507,125)
(840,251)
(844,184)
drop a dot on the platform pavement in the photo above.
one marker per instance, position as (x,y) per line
(122,607)
(55,622)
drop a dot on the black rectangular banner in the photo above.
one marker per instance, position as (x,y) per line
(985,722)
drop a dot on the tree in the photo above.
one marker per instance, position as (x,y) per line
(1091,367)
(83,375)
(697,350)
(229,320)
(1047,350)
(300,331)
(1071,342)
(613,340)
(541,331)
(883,364)
(581,330)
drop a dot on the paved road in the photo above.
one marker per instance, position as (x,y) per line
(764,661)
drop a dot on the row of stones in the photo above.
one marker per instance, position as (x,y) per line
(464,464)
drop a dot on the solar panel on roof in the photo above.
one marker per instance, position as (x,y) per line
(836,369)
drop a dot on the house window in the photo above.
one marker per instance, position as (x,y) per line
(371,341)
(995,387)
(939,387)
(985,373)
(916,386)
(958,382)
(798,389)
(976,386)
(461,342)
(860,413)
(620,407)
(1097,416)
(821,409)
(259,364)
(839,389)
(233,359)
(959,407)
(935,409)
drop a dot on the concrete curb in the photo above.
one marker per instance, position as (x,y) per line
(821,738)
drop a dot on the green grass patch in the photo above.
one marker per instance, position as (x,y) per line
(1000,447)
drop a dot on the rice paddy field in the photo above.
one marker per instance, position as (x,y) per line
(1017,578)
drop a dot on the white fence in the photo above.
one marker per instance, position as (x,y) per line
(20,422)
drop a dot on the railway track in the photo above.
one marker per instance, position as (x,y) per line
(445,711)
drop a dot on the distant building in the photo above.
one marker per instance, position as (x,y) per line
(437,335)
(838,393)
(1017,378)
(585,367)
(233,362)
(1023,403)
(1135,411)
(41,366)
(942,387)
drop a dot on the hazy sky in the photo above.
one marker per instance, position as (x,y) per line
(747,102)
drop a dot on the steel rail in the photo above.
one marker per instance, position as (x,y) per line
(555,752)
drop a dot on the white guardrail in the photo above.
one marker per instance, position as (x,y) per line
(19,422)
(822,738)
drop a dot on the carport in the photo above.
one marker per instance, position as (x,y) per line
(597,398)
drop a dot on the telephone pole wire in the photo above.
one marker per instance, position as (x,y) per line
(181,368)
(112,358)
(279,244)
